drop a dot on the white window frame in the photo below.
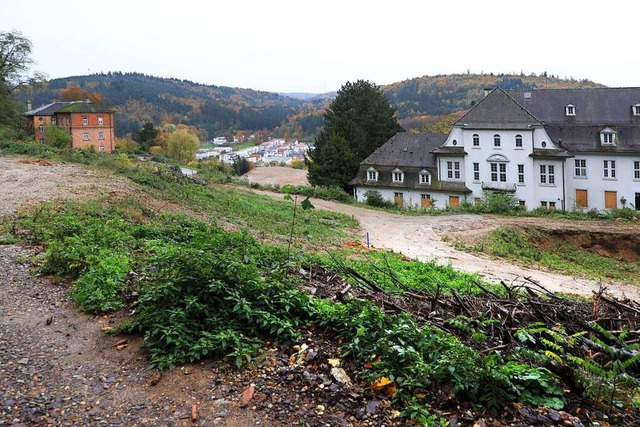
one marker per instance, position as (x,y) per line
(548,175)
(608,137)
(496,141)
(580,169)
(498,172)
(53,121)
(40,129)
(101,149)
(609,169)
(101,135)
(636,170)
(476,140)
(635,108)
(397,176)
(372,175)
(521,180)
(85,121)
(518,141)
(570,110)
(453,169)
(476,172)
(85,136)
(100,121)
(425,177)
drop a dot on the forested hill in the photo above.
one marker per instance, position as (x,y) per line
(420,102)
(137,98)
(424,100)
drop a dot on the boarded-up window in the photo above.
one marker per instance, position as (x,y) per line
(454,201)
(398,199)
(425,200)
(610,199)
(581,199)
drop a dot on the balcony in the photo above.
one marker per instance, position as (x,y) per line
(499,186)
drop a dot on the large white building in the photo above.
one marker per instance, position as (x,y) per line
(552,148)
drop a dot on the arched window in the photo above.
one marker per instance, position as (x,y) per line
(518,141)
(425,177)
(476,140)
(397,176)
(496,140)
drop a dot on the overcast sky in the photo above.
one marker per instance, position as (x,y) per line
(318,45)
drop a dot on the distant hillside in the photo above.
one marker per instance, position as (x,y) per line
(421,102)
(137,98)
(424,100)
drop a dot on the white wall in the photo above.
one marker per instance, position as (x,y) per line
(411,198)
(624,184)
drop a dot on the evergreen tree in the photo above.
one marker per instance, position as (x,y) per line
(146,136)
(358,121)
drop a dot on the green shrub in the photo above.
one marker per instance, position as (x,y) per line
(374,198)
(99,289)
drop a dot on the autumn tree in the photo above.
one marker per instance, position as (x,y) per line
(358,121)
(15,65)
(76,93)
(182,145)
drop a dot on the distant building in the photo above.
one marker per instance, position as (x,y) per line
(89,126)
(568,149)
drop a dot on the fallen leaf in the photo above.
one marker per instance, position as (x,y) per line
(381,383)
(121,342)
(194,413)
(247,395)
(334,362)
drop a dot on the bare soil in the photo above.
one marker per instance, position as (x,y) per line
(430,238)
(57,367)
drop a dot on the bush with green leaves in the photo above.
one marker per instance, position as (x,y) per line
(375,199)
(211,297)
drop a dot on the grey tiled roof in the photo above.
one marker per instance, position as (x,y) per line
(65,107)
(47,110)
(412,154)
(586,138)
(498,110)
(451,151)
(595,106)
(545,153)
(408,150)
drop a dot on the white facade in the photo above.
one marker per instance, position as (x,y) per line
(565,149)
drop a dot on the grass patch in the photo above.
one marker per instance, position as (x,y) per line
(533,248)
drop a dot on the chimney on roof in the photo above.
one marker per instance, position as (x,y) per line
(28,104)
(486,91)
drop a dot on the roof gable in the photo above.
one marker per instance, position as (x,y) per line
(498,110)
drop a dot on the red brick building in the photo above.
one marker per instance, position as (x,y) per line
(88,125)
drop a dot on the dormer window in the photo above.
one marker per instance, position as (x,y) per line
(425,177)
(372,174)
(608,137)
(635,109)
(397,176)
(570,110)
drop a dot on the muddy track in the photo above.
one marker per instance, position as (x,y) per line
(430,238)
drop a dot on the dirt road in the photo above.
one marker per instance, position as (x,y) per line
(429,238)
(422,237)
